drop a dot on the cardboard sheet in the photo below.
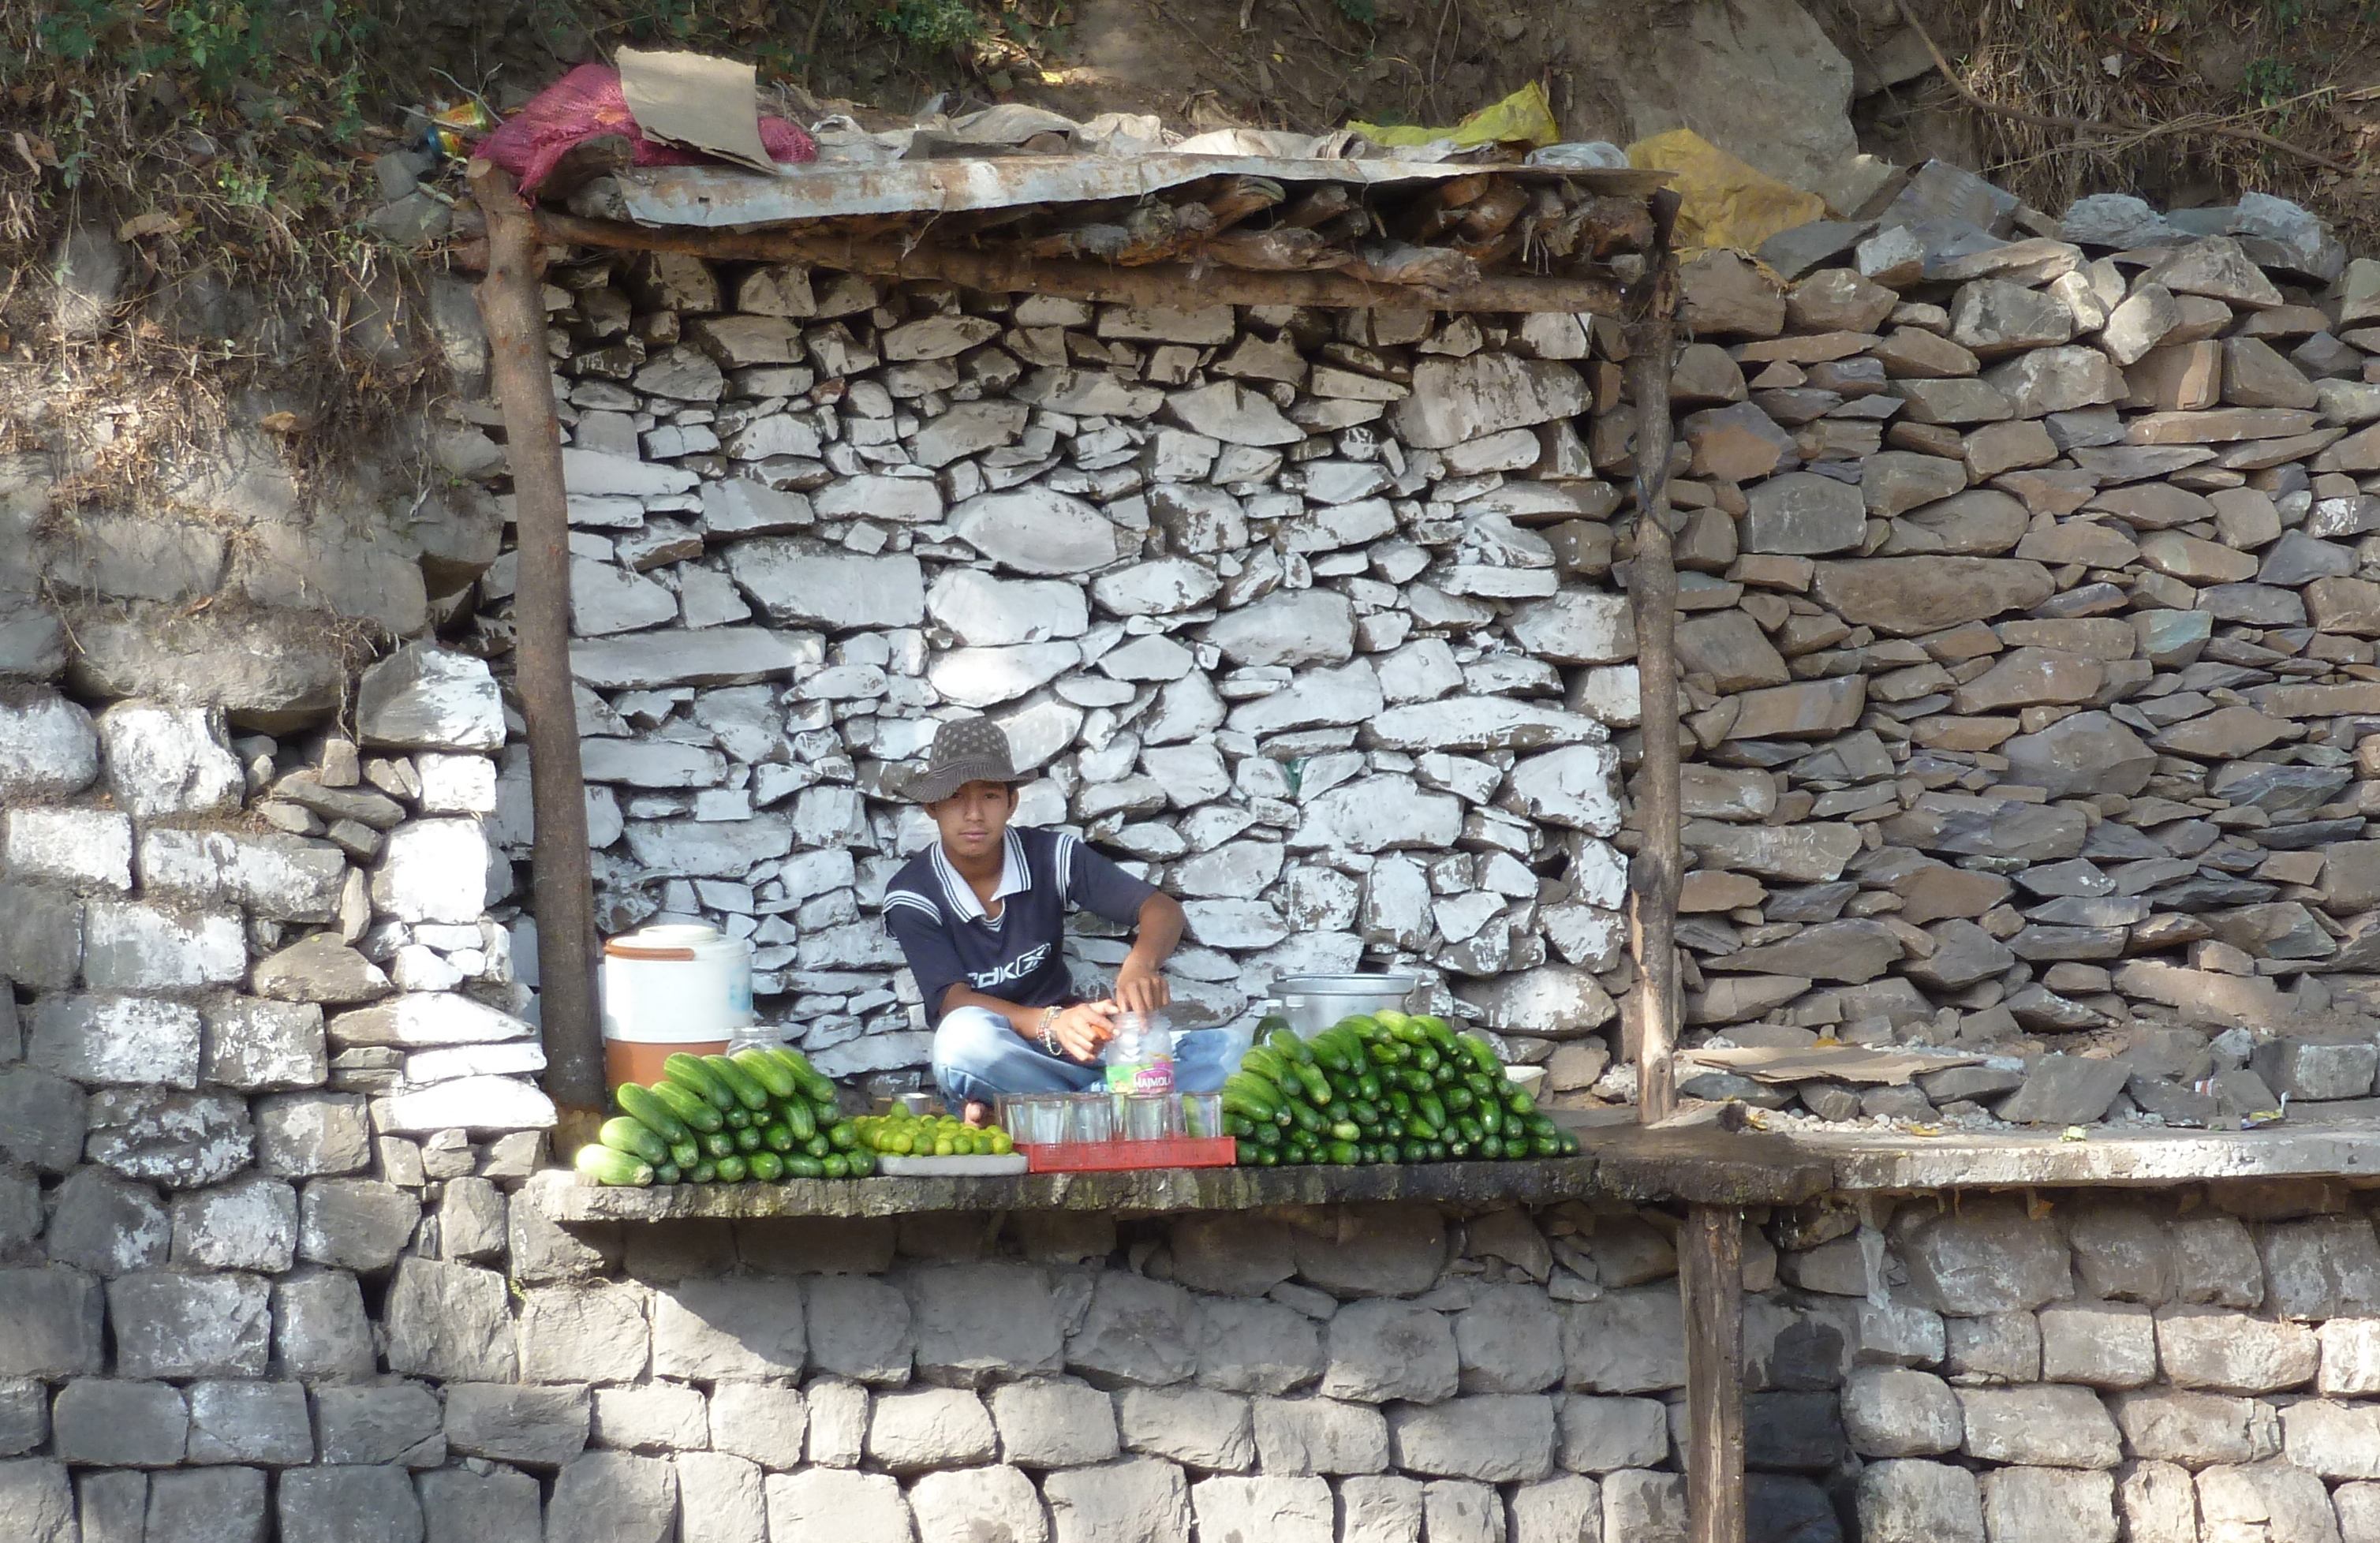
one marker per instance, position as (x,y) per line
(696,101)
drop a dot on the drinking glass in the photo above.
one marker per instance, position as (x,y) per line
(1090,1117)
(1202,1114)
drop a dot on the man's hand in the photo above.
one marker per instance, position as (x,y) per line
(1081,1030)
(1139,988)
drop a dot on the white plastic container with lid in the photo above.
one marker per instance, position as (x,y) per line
(679,986)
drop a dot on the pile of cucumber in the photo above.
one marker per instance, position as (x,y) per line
(763,1113)
(1382,1087)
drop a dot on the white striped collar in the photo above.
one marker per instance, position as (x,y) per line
(1015,876)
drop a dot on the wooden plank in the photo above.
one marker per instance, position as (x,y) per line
(561,882)
(1156,283)
(1710,1261)
(1656,874)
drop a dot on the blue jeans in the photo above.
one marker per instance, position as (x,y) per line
(978,1057)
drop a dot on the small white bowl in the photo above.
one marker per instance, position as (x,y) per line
(1523,1077)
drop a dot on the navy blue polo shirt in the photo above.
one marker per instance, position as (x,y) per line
(1020,957)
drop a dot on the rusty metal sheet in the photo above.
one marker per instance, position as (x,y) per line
(715,198)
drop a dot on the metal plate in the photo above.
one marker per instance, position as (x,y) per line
(717,197)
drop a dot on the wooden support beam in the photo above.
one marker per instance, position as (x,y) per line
(1711,1265)
(1156,283)
(1656,872)
(560,878)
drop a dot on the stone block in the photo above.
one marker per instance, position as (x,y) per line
(121,1422)
(1137,1331)
(359,1224)
(1650,1506)
(1257,1346)
(1195,1426)
(1604,1435)
(1056,1424)
(1382,1350)
(471,1218)
(172,1325)
(721,1500)
(511,1422)
(2320,1267)
(500,1506)
(2350,1356)
(652,1417)
(615,1495)
(594,1332)
(737,1328)
(2121,1253)
(2099,1344)
(1509,1340)
(831,1503)
(1320,1436)
(348,1505)
(114,1503)
(2227,1352)
(106,1225)
(766,1422)
(1139,1499)
(2216,1262)
(300,1135)
(249,1422)
(1233,1254)
(41,936)
(1374,1251)
(42,1118)
(250,1223)
(107,1039)
(24,1414)
(83,848)
(2157,1503)
(181,1140)
(260,1046)
(837,1422)
(319,1329)
(917,1430)
(1496,1437)
(449,1322)
(2048,1425)
(977,1325)
(1564,1510)
(2048,1505)
(2266,1500)
(1987,1258)
(379,1422)
(2331,1438)
(1292,1510)
(1626,1342)
(203,1505)
(1894,1412)
(34,1497)
(818,1245)
(1910,1501)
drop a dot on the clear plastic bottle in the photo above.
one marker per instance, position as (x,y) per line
(1140,1058)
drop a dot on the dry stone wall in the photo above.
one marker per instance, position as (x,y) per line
(1296,612)
(2196,1366)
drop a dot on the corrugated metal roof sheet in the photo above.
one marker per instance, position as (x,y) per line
(714,197)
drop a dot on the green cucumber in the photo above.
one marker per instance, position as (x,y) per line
(1316,1086)
(748,1090)
(718,1144)
(766,1166)
(641,1105)
(803,1166)
(768,1070)
(691,1071)
(815,1083)
(837,1165)
(748,1140)
(667,1172)
(860,1161)
(736,1117)
(733,1170)
(1346,1153)
(635,1137)
(844,1136)
(705,1172)
(686,1153)
(799,1118)
(776,1137)
(608,1165)
(688,1104)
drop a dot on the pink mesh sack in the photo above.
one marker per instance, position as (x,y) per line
(587,103)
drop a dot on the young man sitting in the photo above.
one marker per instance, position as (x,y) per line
(981,916)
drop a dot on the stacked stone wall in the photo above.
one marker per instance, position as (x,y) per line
(2185,1367)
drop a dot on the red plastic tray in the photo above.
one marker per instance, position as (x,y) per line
(1102,1157)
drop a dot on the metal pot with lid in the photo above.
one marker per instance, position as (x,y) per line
(1313,1003)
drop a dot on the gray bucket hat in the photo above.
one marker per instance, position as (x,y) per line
(964,750)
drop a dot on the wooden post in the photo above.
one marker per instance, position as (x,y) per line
(1658,869)
(561,882)
(1711,1263)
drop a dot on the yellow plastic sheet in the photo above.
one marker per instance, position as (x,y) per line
(1525,118)
(1726,203)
